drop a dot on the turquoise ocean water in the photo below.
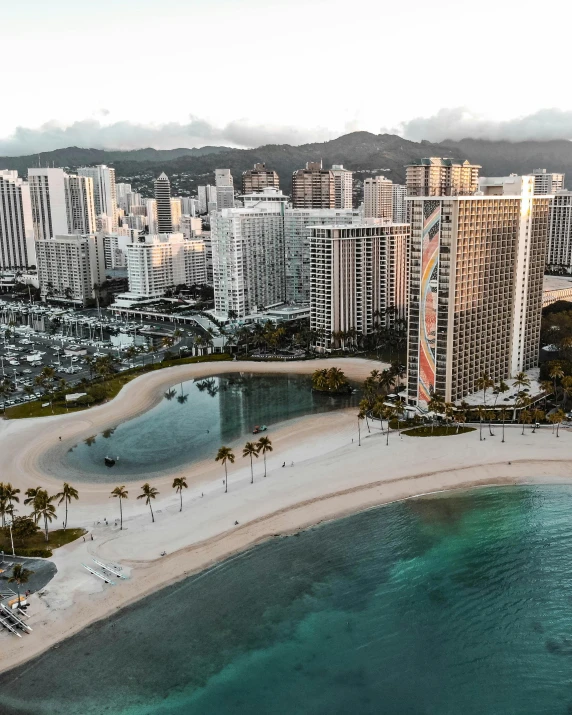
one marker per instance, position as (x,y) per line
(189,424)
(445,605)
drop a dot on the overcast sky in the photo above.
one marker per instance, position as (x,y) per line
(132,73)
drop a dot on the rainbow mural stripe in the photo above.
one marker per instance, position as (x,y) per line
(428,298)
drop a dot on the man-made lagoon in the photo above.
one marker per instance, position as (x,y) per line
(190,423)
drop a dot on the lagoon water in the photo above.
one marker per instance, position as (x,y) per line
(456,603)
(190,423)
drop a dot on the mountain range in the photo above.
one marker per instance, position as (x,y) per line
(363,152)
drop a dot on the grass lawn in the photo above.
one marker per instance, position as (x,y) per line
(34,545)
(111,387)
(437,431)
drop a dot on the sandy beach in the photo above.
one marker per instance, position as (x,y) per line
(327,475)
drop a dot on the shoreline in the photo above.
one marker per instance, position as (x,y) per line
(330,477)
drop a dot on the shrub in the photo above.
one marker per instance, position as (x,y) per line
(34,553)
(85,400)
(98,392)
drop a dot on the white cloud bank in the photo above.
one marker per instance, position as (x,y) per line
(94,134)
(460,123)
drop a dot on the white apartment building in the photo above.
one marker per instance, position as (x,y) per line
(224,189)
(151,211)
(356,271)
(176,212)
(48,200)
(297,245)
(400,205)
(191,226)
(206,196)
(476,278)
(547,182)
(121,191)
(248,257)
(69,267)
(17,251)
(378,198)
(343,186)
(104,190)
(115,249)
(559,251)
(80,206)
(158,262)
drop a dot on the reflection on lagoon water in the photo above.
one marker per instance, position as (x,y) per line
(191,422)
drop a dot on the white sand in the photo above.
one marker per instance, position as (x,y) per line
(331,477)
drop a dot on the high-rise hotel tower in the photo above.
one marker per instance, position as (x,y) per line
(475,286)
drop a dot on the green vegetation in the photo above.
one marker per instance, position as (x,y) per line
(437,431)
(35,544)
(332,381)
(100,391)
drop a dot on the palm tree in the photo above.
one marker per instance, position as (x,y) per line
(537,416)
(504,415)
(180,483)
(484,383)
(66,495)
(149,493)
(557,418)
(482,415)
(264,445)
(525,418)
(20,576)
(31,494)
(521,380)
(389,413)
(11,494)
(225,455)
(556,373)
(120,493)
(250,450)
(44,509)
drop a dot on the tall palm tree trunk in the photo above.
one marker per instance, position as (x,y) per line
(481,429)
(152,515)
(251,471)
(120,515)
(265,464)
(503,429)
(66,521)
(46,527)
(226,479)
(181,495)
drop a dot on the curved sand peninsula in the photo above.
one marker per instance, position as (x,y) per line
(327,475)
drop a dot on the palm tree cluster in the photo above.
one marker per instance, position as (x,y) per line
(252,450)
(332,380)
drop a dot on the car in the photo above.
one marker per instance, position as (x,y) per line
(14,362)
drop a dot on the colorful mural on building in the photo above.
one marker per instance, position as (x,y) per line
(428,298)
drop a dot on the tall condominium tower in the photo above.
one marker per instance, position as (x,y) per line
(248,256)
(441,177)
(162,187)
(343,187)
(297,234)
(378,198)
(559,253)
(313,187)
(257,179)
(475,296)
(80,206)
(69,266)
(121,192)
(224,189)
(104,190)
(176,212)
(400,205)
(16,229)
(356,271)
(48,198)
(547,183)
(206,195)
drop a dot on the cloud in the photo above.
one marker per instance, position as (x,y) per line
(93,134)
(460,123)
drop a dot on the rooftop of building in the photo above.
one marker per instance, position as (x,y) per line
(442,161)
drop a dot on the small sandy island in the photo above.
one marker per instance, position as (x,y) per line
(327,475)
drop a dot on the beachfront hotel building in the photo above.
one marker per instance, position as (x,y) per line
(69,266)
(297,233)
(17,251)
(48,199)
(475,286)
(248,254)
(441,177)
(559,252)
(156,263)
(546,182)
(356,271)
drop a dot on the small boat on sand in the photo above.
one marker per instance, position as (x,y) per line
(109,461)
